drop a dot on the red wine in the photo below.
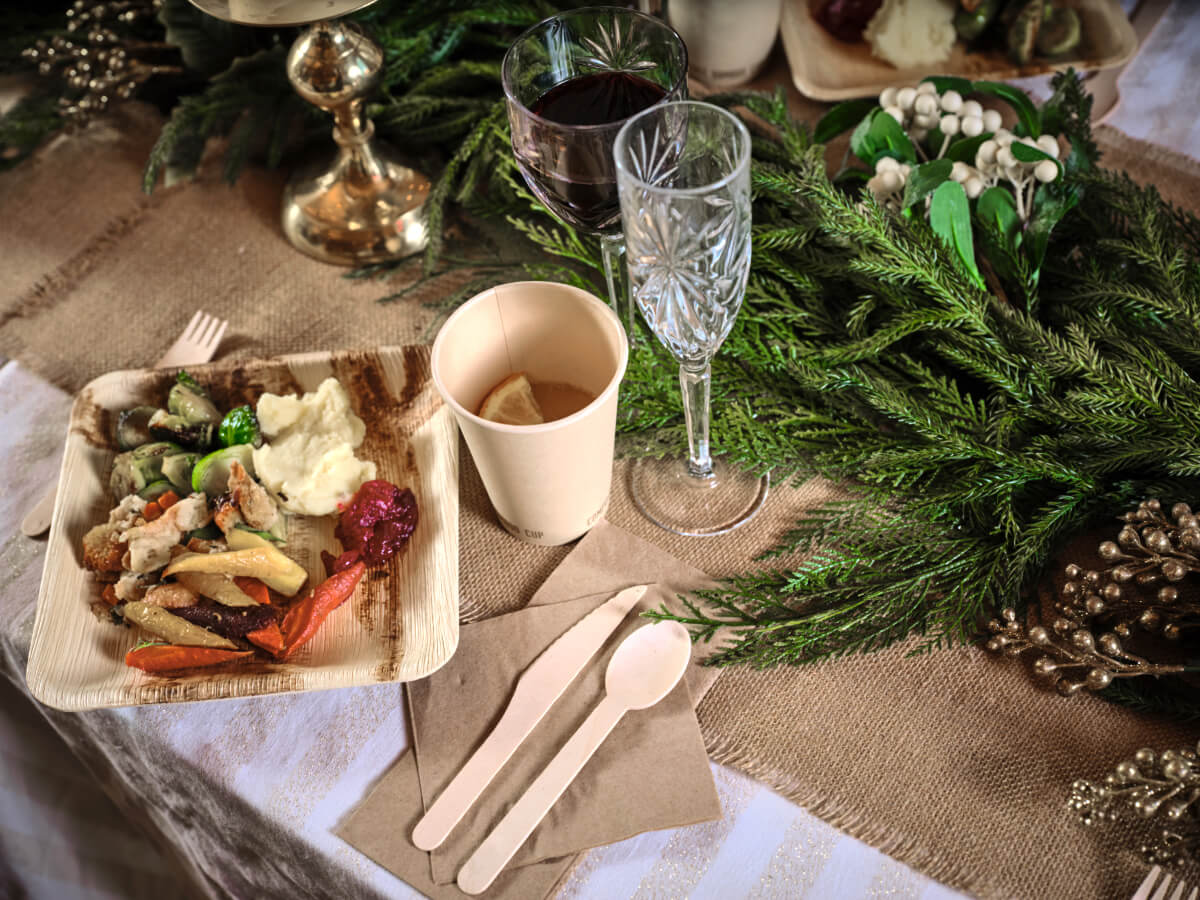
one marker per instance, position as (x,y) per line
(573,173)
(597,99)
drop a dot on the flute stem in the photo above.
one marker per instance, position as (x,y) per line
(696,386)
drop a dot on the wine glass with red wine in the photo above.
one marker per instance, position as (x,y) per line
(571,82)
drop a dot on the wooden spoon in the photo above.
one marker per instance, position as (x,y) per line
(643,670)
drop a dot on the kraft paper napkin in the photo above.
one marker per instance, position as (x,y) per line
(381,824)
(651,773)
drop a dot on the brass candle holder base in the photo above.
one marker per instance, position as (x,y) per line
(366,206)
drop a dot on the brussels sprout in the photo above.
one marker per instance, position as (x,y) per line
(168,426)
(177,469)
(133,426)
(240,426)
(211,474)
(970,22)
(134,470)
(1060,33)
(1023,32)
(190,402)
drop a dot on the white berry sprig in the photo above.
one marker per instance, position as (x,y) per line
(995,162)
(888,182)
(920,109)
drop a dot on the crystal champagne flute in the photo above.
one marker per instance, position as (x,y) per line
(683,172)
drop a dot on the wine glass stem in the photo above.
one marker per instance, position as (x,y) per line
(612,249)
(695,384)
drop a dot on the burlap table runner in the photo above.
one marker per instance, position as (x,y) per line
(950,762)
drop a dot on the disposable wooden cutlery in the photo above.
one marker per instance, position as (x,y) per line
(537,690)
(647,665)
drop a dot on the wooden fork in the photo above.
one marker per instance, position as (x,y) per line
(1160,888)
(197,344)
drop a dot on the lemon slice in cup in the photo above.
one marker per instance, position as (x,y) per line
(511,402)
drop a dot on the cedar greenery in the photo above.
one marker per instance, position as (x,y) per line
(972,432)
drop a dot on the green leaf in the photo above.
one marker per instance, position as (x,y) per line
(1030,122)
(891,140)
(945,83)
(1000,232)
(880,135)
(950,218)
(842,117)
(924,179)
(1049,207)
(996,209)
(860,141)
(964,150)
(1028,154)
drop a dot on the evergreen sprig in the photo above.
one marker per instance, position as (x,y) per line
(974,436)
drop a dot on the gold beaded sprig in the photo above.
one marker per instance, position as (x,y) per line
(99,58)
(1152,786)
(1098,611)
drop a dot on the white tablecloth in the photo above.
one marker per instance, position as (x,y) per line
(61,837)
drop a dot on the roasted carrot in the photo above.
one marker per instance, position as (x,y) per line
(254,589)
(170,657)
(269,637)
(166,500)
(305,617)
(151,511)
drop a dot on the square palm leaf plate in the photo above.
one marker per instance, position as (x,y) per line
(401,623)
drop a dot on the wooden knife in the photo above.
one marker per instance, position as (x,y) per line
(538,688)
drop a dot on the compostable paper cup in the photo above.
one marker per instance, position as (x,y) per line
(548,483)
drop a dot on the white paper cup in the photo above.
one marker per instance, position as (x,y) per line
(548,483)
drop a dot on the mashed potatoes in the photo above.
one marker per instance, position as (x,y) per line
(309,462)
(912,33)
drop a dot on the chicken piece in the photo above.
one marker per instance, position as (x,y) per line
(130,586)
(150,544)
(102,550)
(228,516)
(170,595)
(251,498)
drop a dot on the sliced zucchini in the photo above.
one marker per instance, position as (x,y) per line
(171,427)
(133,426)
(177,469)
(134,470)
(155,489)
(211,474)
(156,449)
(189,401)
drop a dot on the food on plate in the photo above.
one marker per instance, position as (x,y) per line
(261,560)
(375,524)
(511,402)
(308,462)
(169,658)
(305,617)
(847,19)
(190,554)
(910,33)
(914,33)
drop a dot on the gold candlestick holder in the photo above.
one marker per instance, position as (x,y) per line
(364,205)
